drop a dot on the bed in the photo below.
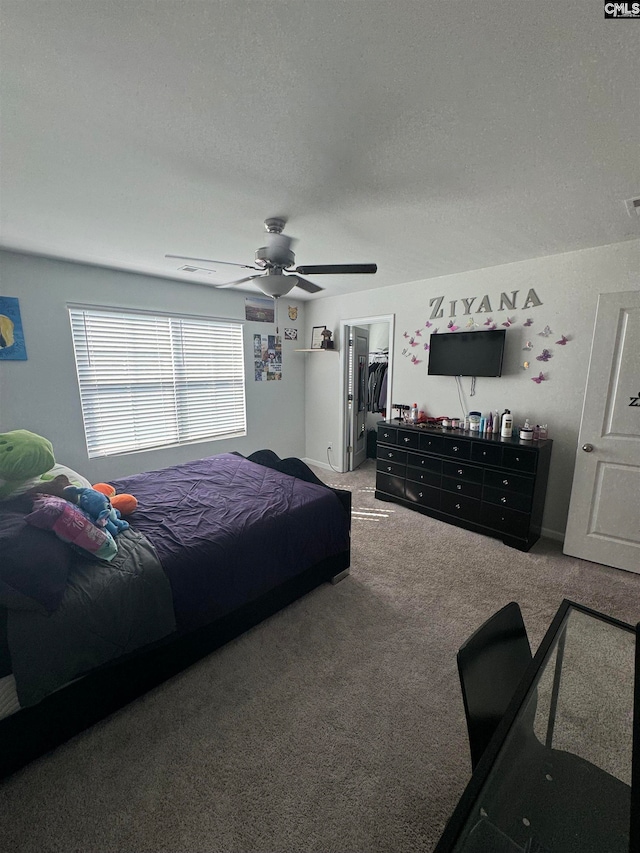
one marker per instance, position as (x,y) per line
(215,546)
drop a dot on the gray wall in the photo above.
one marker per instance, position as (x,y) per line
(568,286)
(41,394)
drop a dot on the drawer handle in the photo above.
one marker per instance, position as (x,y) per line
(504,500)
(407,439)
(459,470)
(458,486)
(455,448)
(484,452)
(517,458)
(386,435)
(506,482)
(458,506)
(389,468)
(419,494)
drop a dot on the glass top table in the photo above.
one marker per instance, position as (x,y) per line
(557,775)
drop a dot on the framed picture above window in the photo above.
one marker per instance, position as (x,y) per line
(151,380)
(316,337)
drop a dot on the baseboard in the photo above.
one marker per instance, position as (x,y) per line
(552,534)
(324,465)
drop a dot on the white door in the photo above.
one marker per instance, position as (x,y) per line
(358,380)
(604,513)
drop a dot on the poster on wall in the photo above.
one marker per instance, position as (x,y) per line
(267,355)
(12,345)
(259,309)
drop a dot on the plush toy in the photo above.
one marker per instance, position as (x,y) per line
(125,503)
(23,454)
(97,507)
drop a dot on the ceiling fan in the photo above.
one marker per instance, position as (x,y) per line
(276,274)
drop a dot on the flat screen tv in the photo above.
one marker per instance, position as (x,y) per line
(467,353)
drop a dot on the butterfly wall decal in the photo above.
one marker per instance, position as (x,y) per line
(452,326)
(528,322)
(413,342)
(509,322)
(428,324)
(426,346)
(492,327)
(545,355)
(563,340)
(488,321)
(405,334)
(418,333)
(414,360)
(471,323)
(539,378)
(545,332)
(528,345)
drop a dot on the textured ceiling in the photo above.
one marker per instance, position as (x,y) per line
(429,137)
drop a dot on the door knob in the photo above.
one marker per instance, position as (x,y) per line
(587,448)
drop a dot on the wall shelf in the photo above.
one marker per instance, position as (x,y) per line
(316,350)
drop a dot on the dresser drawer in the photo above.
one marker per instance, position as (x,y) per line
(431,443)
(519,459)
(424,495)
(460,506)
(390,485)
(506,480)
(462,471)
(391,454)
(387,435)
(398,469)
(462,487)
(489,454)
(408,440)
(506,520)
(460,448)
(503,497)
(429,463)
(420,475)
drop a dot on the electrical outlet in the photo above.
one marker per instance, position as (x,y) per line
(330,446)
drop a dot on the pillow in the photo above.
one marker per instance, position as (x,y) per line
(23,454)
(32,483)
(34,566)
(70,524)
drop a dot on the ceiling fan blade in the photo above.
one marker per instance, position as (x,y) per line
(211,261)
(337,269)
(309,286)
(240,280)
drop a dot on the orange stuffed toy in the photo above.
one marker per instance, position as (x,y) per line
(126,504)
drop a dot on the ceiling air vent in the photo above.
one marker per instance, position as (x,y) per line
(187,268)
(633,206)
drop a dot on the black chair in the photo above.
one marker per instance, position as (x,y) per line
(541,782)
(491,664)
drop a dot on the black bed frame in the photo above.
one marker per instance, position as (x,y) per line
(32,732)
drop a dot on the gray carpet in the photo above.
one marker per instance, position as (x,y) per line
(337,725)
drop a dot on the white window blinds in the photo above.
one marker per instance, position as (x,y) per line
(151,381)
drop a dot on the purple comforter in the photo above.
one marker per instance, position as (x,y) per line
(227,530)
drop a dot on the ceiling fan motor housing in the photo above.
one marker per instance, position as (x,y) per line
(276,254)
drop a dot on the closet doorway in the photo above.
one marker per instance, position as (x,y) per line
(366,382)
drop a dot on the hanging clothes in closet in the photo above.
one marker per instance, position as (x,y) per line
(377,385)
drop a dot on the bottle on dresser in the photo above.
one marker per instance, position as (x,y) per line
(506,430)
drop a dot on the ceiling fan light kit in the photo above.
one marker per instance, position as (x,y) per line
(276,274)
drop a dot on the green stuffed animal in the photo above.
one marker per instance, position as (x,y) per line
(23,455)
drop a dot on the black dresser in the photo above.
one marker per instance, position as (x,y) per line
(488,484)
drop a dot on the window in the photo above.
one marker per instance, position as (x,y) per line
(156,380)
